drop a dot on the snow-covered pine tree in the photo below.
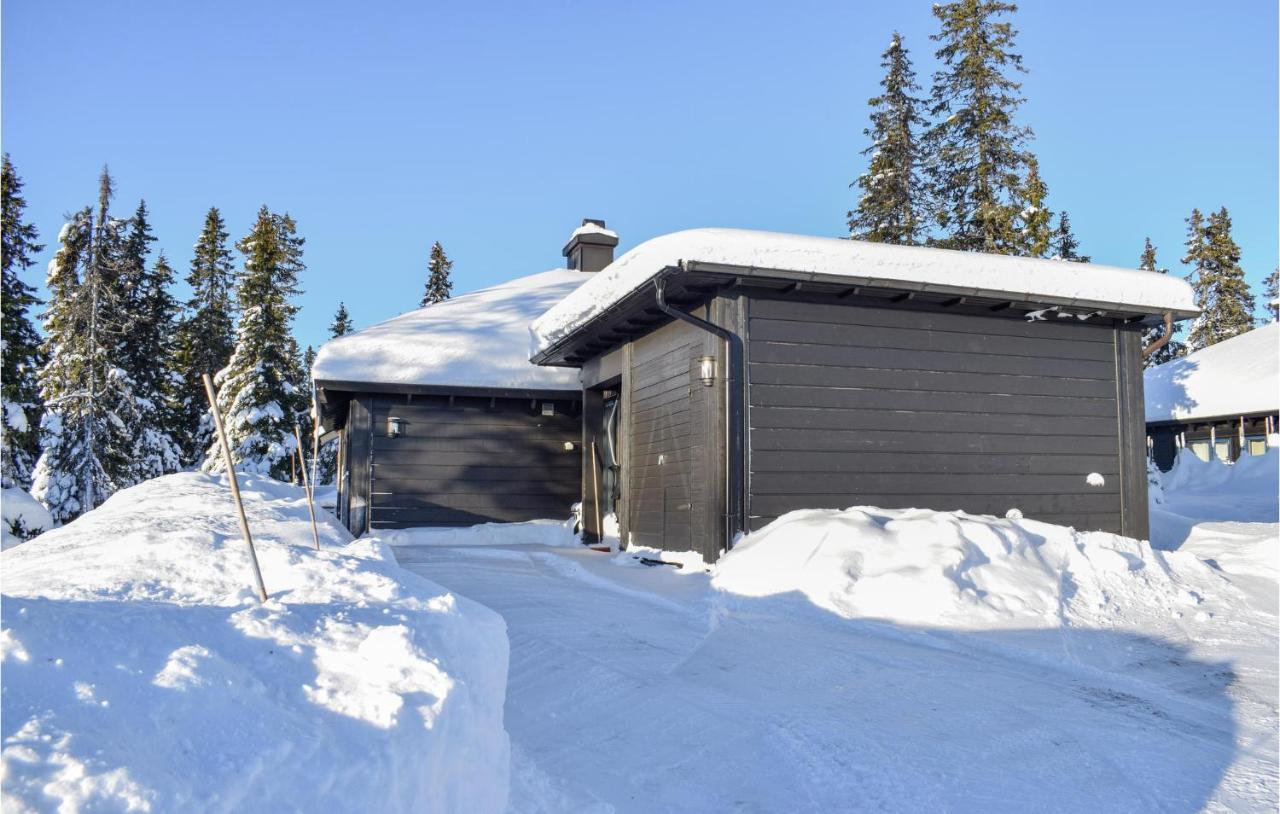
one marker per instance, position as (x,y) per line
(1173,348)
(1036,230)
(976,156)
(86,444)
(1063,244)
(205,337)
(20,404)
(439,286)
(341,325)
(145,349)
(890,208)
(1222,293)
(260,390)
(1271,294)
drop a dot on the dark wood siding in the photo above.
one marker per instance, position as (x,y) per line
(853,404)
(669,488)
(470,460)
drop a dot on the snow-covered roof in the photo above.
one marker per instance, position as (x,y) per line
(1235,377)
(913,267)
(479,339)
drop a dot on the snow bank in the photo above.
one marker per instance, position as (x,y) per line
(479,339)
(1236,377)
(959,572)
(908,266)
(22,516)
(140,673)
(1251,474)
(533,532)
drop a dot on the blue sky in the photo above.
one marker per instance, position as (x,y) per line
(495,128)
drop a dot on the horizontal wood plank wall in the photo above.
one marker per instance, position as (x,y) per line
(666,470)
(473,461)
(856,404)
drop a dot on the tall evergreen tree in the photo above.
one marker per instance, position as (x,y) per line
(260,390)
(1063,244)
(86,445)
(20,404)
(1173,348)
(890,208)
(439,286)
(1222,293)
(1036,230)
(976,150)
(341,325)
(205,337)
(146,350)
(1271,293)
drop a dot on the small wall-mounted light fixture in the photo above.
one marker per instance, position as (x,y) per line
(707,369)
(568,446)
(394,426)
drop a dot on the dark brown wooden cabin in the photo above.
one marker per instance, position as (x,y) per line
(476,435)
(733,394)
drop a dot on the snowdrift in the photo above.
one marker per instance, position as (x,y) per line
(1251,474)
(22,513)
(556,533)
(140,673)
(951,571)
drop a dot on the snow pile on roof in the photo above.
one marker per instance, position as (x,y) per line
(22,516)
(141,673)
(479,339)
(955,571)
(911,267)
(1235,377)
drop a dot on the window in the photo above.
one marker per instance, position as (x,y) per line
(1256,444)
(1200,449)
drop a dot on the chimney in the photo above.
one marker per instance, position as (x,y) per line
(590,247)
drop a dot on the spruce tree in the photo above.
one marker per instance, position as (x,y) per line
(260,390)
(976,149)
(341,325)
(146,350)
(1036,231)
(205,337)
(890,208)
(20,404)
(1271,291)
(86,445)
(1063,244)
(1222,293)
(439,286)
(1173,348)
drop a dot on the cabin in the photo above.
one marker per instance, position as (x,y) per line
(729,377)
(1220,402)
(441,418)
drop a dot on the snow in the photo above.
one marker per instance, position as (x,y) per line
(141,673)
(1237,376)
(479,339)
(532,532)
(592,229)
(912,267)
(19,510)
(905,659)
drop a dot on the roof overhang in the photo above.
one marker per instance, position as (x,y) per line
(691,282)
(332,396)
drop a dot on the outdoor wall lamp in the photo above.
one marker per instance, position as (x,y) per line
(707,369)
(393,426)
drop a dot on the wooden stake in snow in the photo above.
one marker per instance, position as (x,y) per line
(306,486)
(315,444)
(235,486)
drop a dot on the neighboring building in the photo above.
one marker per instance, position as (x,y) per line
(1220,402)
(732,376)
(442,419)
